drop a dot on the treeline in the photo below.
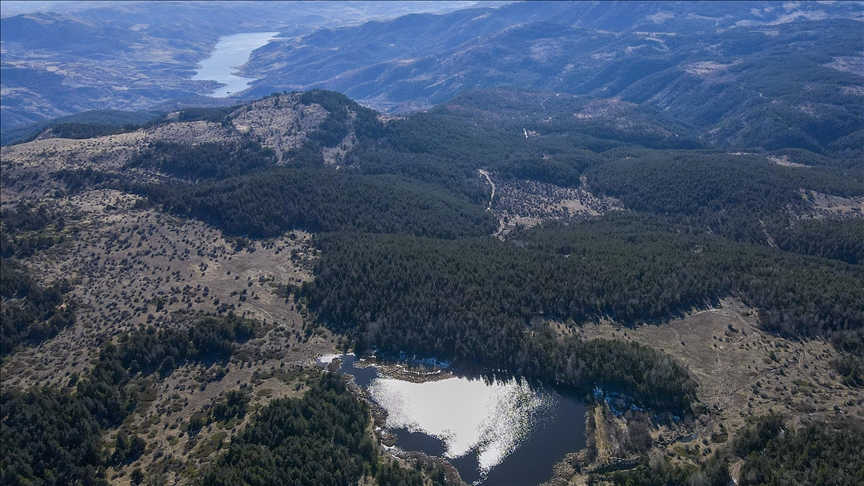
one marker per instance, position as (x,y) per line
(54,436)
(744,198)
(269,203)
(77,180)
(446,149)
(85,130)
(697,185)
(477,300)
(21,229)
(210,339)
(319,439)
(233,405)
(819,452)
(442,149)
(116,119)
(30,313)
(338,124)
(207,160)
(837,239)
(607,123)
(660,472)
(466,146)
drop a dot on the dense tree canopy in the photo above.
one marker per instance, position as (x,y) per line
(54,436)
(320,439)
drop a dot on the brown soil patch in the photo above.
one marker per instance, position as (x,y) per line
(528,203)
(743,371)
(827,206)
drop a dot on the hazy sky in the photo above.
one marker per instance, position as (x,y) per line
(8,9)
(11,8)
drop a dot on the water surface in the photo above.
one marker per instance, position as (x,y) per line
(232,51)
(500,432)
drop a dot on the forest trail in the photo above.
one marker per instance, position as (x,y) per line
(489,180)
(500,231)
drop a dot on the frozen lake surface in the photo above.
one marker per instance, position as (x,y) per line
(232,51)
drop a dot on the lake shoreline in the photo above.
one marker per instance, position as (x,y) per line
(491,430)
(222,66)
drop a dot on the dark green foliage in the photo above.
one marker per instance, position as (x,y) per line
(757,436)
(48,437)
(320,439)
(836,239)
(745,198)
(272,202)
(87,122)
(465,146)
(391,474)
(692,184)
(205,160)
(820,453)
(22,229)
(77,180)
(30,313)
(136,476)
(208,339)
(372,160)
(127,449)
(658,472)
(475,299)
(725,194)
(644,475)
(851,368)
(338,124)
(55,436)
(212,114)
(85,130)
(234,405)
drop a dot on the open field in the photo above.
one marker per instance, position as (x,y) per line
(742,372)
(527,203)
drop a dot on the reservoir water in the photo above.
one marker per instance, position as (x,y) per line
(495,433)
(232,51)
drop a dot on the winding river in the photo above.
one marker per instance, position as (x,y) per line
(494,433)
(232,51)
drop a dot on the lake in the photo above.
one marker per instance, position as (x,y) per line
(232,51)
(501,432)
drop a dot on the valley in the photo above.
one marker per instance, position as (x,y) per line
(130,265)
(530,243)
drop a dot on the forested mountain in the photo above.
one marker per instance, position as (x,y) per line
(655,208)
(721,69)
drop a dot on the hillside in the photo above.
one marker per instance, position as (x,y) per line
(210,254)
(727,81)
(131,56)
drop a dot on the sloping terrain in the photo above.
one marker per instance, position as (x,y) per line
(128,56)
(170,280)
(722,70)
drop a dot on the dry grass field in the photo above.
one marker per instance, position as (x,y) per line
(742,372)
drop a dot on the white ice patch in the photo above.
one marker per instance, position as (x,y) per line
(328,358)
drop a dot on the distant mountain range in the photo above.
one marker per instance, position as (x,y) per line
(72,57)
(721,69)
